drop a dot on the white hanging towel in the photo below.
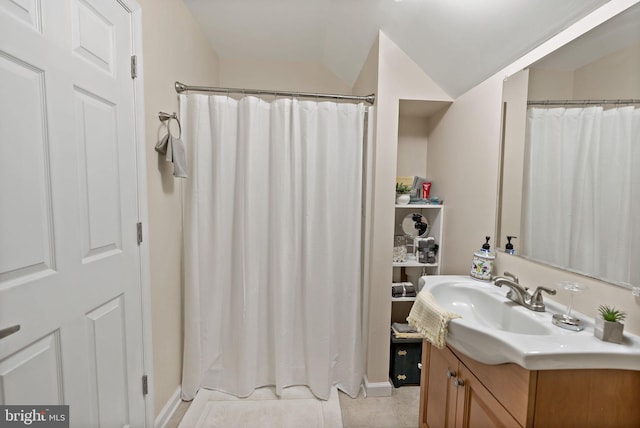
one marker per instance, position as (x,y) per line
(430,319)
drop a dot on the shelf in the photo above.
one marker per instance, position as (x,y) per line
(403,299)
(419,206)
(413,263)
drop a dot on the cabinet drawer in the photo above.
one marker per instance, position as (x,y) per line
(511,384)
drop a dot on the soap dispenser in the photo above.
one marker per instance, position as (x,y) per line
(483,262)
(509,247)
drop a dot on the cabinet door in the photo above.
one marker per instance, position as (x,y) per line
(439,403)
(477,407)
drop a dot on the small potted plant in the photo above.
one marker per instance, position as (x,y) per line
(608,325)
(402,194)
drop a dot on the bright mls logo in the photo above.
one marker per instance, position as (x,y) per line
(34,416)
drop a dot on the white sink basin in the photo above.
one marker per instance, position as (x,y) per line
(489,310)
(495,330)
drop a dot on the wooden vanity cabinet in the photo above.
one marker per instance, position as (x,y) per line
(451,396)
(457,391)
(438,394)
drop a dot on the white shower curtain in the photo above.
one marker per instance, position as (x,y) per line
(582,188)
(272,245)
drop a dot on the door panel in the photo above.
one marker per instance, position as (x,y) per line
(92,35)
(107,360)
(69,258)
(27,11)
(96,131)
(441,393)
(27,234)
(480,408)
(39,366)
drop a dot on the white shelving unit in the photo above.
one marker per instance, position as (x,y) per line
(412,269)
(412,148)
(413,263)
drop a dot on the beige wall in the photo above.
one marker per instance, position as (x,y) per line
(463,159)
(367,83)
(280,75)
(174,48)
(398,78)
(463,154)
(550,85)
(587,302)
(511,161)
(616,76)
(412,146)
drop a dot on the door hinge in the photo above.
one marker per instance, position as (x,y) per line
(134,66)
(145,385)
(139,231)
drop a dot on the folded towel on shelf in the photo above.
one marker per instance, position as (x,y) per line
(405,331)
(403,289)
(430,319)
(174,151)
(403,327)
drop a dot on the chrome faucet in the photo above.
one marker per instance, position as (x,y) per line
(520,294)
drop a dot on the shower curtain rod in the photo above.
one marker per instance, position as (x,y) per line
(581,102)
(181,87)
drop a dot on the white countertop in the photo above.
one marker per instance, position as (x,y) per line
(495,330)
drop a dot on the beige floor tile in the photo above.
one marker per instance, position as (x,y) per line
(398,411)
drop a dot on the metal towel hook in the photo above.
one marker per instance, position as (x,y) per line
(166,117)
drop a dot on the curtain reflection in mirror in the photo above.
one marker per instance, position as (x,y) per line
(581,198)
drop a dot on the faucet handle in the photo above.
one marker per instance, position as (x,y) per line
(536,303)
(512,276)
(536,297)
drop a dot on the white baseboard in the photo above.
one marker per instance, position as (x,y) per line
(168,409)
(377,389)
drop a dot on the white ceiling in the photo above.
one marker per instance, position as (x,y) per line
(458,43)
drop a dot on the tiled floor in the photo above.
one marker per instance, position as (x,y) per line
(398,411)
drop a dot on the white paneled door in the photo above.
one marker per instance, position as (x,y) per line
(69,255)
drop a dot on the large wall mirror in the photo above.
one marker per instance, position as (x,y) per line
(570,158)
